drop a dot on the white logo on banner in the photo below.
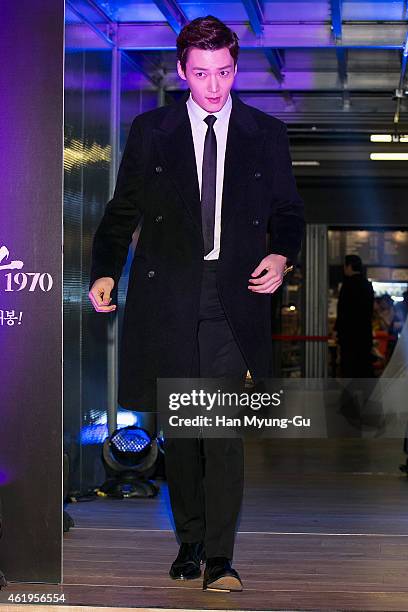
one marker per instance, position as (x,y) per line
(4,253)
(23,280)
(18,281)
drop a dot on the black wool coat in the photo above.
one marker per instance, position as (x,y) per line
(157,184)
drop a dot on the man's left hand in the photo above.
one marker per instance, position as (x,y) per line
(268,283)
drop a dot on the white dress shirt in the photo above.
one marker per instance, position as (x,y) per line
(199,129)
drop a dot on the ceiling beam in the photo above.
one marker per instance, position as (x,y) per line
(336,7)
(173,14)
(254,9)
(88,11)
(336,18)
(275,62)
(104,33)
(370,35)
(159,36)
(399,93)
(92,11)
(404,61)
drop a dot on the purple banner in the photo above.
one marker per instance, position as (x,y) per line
(31,161)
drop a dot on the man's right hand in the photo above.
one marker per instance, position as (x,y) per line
(100,294)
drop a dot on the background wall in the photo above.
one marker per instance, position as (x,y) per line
(364,200)
(88,163)
(87,156)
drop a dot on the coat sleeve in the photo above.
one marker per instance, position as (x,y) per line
(122,213)
(286,223)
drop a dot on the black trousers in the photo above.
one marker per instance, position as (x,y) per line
(355,358)
(206,475)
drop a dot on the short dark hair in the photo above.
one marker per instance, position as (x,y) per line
(355,262)
(206,33)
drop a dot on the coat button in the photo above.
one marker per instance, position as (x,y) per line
(255,221)
(159,169)
(159,218)
(257,175)
(151,273)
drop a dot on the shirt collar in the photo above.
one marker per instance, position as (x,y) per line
(198,114)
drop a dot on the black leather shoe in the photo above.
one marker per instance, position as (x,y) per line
(187,565)
(220,576)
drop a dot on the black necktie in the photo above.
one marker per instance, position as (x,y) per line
(208,184)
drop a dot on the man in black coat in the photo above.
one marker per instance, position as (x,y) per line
(354,321)
(211,179)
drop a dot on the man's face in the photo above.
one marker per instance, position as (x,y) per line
(209,75)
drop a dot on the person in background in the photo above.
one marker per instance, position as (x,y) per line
(354,321)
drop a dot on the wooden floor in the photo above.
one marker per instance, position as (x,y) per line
(324,526)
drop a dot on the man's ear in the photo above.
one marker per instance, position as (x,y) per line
(235,69)
(180,71)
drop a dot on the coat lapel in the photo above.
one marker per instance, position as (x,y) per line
(244,145)
(174,141)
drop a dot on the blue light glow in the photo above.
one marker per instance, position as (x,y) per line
(97,431)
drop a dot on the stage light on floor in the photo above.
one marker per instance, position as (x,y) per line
(129,456)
